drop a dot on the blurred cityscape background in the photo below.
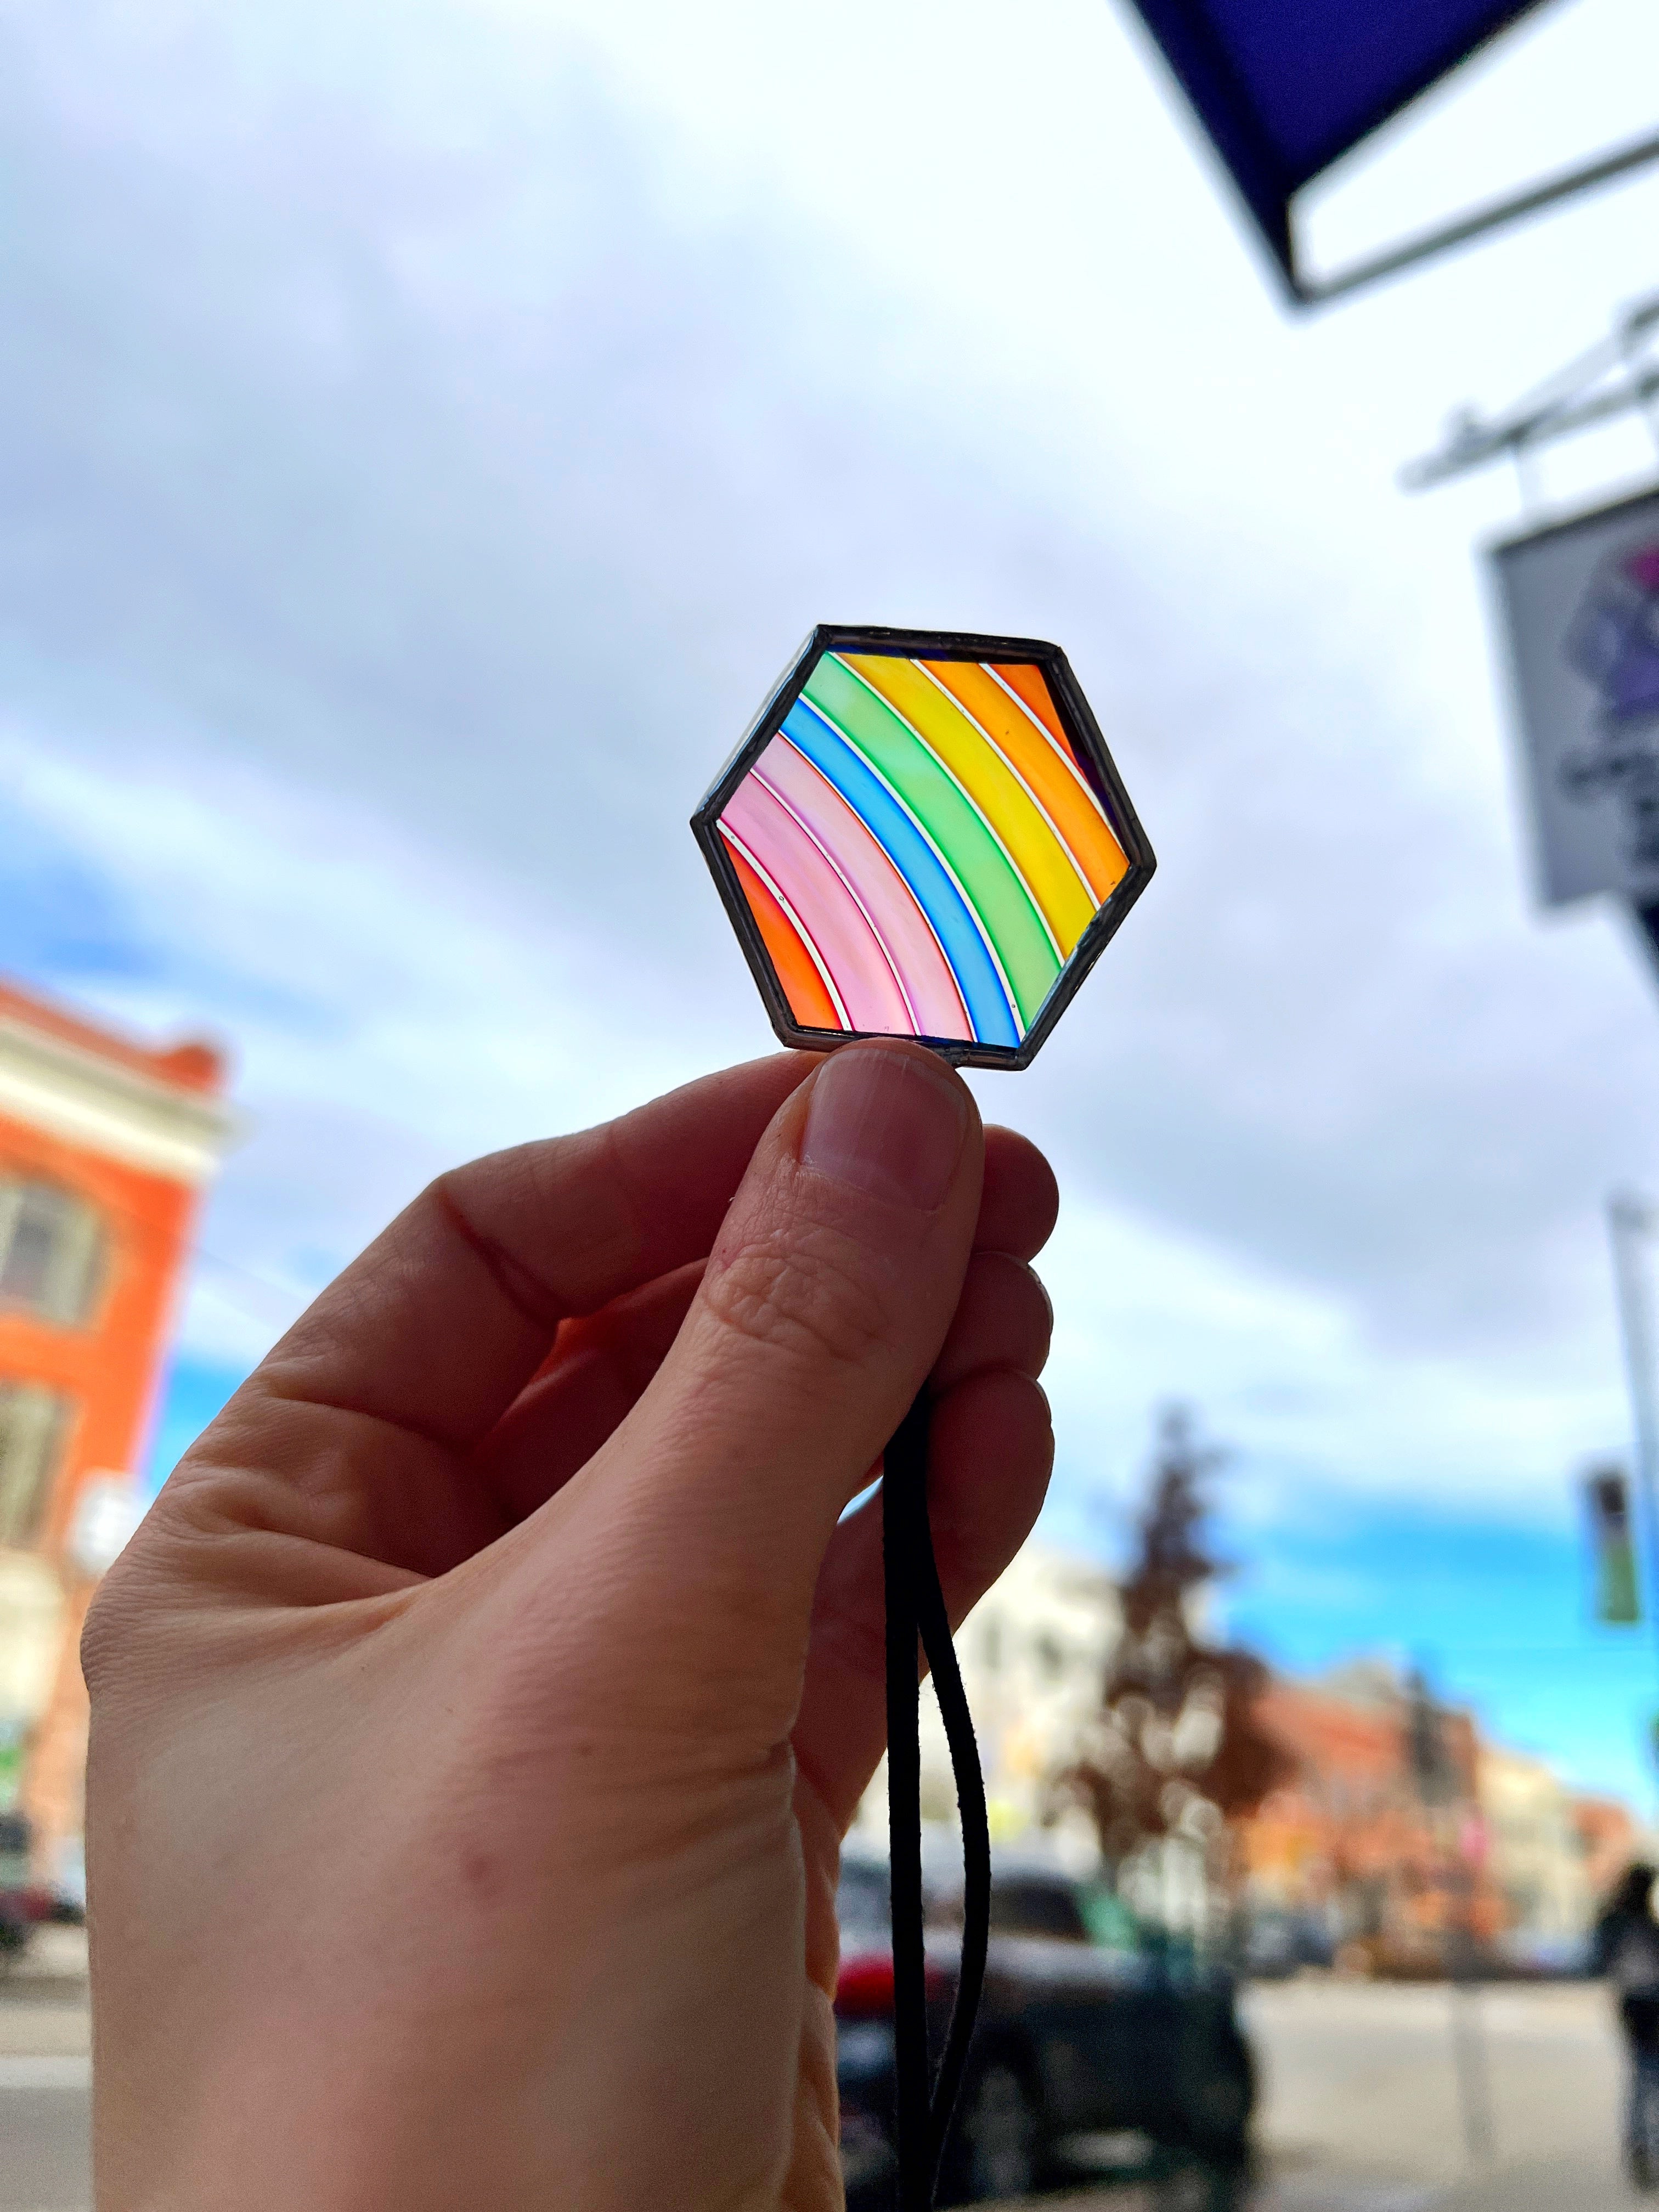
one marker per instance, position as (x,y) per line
(421,440)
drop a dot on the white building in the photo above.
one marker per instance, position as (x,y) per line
(1538,1858)
(1033,1656)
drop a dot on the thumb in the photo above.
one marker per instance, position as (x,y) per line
(824,1304)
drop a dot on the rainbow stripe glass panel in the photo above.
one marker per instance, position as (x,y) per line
(922,842)
(928,849)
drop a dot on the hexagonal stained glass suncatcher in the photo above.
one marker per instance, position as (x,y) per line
(923,836)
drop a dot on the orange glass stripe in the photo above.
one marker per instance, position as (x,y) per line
(1021,677)
(1068,806)
(809,1000)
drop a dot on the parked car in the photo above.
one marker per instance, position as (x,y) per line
(1277,1943)
(69,1886)
(1076,2036)
(1522,1955)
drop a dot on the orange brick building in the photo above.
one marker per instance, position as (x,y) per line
(105,1148)
(1351,1837)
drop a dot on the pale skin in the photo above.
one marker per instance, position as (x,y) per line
(477,1715)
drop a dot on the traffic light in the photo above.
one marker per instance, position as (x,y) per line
(1618,1598)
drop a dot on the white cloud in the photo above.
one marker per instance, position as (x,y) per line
(387,1012)
(419,453)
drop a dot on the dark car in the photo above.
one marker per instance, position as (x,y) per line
(24,1902)
(1076,2036)
(1277,1943)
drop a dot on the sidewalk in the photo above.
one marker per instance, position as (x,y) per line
(45,2018)
(1545,2185)
(44,2005)
(55,1953)
(45,2077)
(1291,2193)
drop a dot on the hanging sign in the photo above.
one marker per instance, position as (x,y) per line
(1580,604)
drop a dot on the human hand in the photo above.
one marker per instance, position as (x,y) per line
(476,1714)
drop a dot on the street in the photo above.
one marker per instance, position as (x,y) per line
(1360,2106)
(1363,2079)
(45,2071)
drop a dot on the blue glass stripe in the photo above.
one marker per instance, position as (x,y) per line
(935,893)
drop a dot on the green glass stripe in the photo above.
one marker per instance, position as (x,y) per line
(993,884)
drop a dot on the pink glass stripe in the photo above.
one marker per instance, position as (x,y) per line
(887,899)
(831,914)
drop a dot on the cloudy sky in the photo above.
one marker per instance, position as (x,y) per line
(424,434)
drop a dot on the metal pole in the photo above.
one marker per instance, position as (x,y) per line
(1468,2018)
(1440,1789)
(1314,292)
(1629,1220)
(1474,2075)
(1633,334)
(1562,404)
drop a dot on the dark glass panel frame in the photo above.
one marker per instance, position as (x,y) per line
(1083,734)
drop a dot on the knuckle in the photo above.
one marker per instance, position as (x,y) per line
(1008,1289)
(807,1297)
(1035,1311)
(107,1634)
(101,1635)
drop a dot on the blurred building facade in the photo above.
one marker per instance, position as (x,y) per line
(1401,1834)
(1396,1863)
(1391,1860)
(105,1146)
(1535,1845)
(1033,1656)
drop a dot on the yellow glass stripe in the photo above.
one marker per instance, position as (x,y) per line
(1050,775)
(1059,893)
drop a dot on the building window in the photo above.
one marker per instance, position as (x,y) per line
(33,1429)
(51,1250)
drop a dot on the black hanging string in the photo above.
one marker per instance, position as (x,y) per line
(975,1840)
(915,1609)
(904,1477)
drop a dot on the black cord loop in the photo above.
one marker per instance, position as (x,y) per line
(915,1609)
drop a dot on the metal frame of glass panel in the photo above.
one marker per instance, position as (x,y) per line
(1083,734)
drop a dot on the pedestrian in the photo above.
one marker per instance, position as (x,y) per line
(476,1715)
(1626,1950)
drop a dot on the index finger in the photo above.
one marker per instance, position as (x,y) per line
(448,1314)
